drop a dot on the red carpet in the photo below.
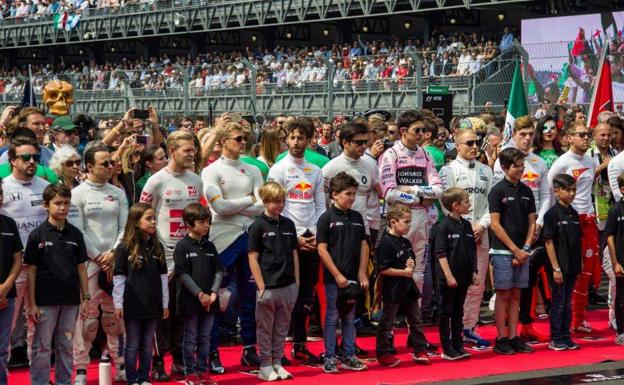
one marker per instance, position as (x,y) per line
(483,363)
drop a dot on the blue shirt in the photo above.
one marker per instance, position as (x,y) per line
(506,41)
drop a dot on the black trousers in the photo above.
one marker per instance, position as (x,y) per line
(538,260)
(309,263)
(170,331)
(384,329)
(450,322)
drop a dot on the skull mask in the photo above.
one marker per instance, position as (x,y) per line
(58,96)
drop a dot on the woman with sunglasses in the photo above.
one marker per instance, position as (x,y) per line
(66,164)
(547,145)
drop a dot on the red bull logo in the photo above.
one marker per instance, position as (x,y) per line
(301,191)
(531,179)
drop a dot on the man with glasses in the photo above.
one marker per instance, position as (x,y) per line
(23,201)
(407,175)
(99,210)
(581,166)
(186,124)
(466,172)
(169,191)
(63,132)
(305,202)
(535,176)
(231,188)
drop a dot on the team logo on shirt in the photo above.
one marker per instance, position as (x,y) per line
(177,228)
(576,174)
(110,198)
(44,244)
(531,179)
(146,197)
(301,191)
(192,191)
(335,224)
(15,196)
(269,234)
(453,236)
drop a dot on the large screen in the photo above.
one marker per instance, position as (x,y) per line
(564,53)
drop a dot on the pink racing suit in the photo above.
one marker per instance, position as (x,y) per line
(409,176)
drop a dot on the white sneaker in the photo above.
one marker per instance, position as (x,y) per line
(81,379)
(282,373)
(120,375)
(146,383)
(267,373)
(584,327)
(619,339)
(612,323)
(492,302)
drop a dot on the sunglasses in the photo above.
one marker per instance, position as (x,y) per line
(70,163)
(583,135)
(419,130)
(239,138)
(28,157)
(548,128)
(471,143)
(108,163)
(392,132)
(360,142)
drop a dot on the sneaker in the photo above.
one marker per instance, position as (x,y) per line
(250,357)
(421,357)
(216,367)
(81,377)
(584,327)
(450,354)
(158,371)
(502,346)
(353,363)
(120,375)
(205,379)
(571,345)
(529,334)
(462,352)
(267,373)
(471,335)
(330,365)
(282,373)
(301,353)
(388,360)
(146,383)
(432,348)
(556,345)
(193,379)
(19,358)
(520,346)
(619,339)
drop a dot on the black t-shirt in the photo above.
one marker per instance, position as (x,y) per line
(454,240)
(343,232)
(10,243)
(275,241)
(615,227)
(561,224)
(200,260)
(143,290)
(56,253)
(514,203)
(393,253)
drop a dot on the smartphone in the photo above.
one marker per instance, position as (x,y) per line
(141,114)
(141,139)
(236,117)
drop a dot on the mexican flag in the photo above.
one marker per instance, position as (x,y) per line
(59,21)
(517,105)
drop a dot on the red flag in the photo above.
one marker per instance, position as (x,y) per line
(602,98)
(579,43)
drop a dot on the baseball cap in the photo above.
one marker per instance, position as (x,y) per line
(63,123)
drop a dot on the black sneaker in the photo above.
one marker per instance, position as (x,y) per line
(353,363)
(432,348)
(216,367)
(330,365)
(502,346)
(158,371)
(451,354)
(462,352)
(250,357)
(19,358)
(301,353)
(520,346)
(570,345)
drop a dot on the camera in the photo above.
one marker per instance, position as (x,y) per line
(140,114)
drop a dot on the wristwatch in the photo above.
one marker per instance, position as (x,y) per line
(557,270)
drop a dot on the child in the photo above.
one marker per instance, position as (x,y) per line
(512,213)
(199,273)
(140,291)
(456,252)
(562,234)
(614,230)
(275,267)
(57,287)
(395,262)
(10,266)
(343,250)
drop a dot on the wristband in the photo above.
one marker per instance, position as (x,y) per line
(557,270)
(526,248)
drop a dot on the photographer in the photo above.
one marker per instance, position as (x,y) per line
(133,122)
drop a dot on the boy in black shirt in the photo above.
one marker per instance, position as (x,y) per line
(55,254)
(614,229)
(513,216)
(456,252)
(199,273)
(562,234)
(395,262)
(275,267)
(10,266)
(342,246)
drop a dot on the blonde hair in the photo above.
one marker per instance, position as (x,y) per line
(174,139)
(524,121)
(272,192)
(464,131)
(226,129)
(397,211)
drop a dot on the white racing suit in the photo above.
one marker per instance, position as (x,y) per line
(476,179)
(414,172)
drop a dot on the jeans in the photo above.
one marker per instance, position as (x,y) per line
(58,322)
(561,308)
(6,317)
(196,341)
(239,281)
(139,344)
(331,321)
